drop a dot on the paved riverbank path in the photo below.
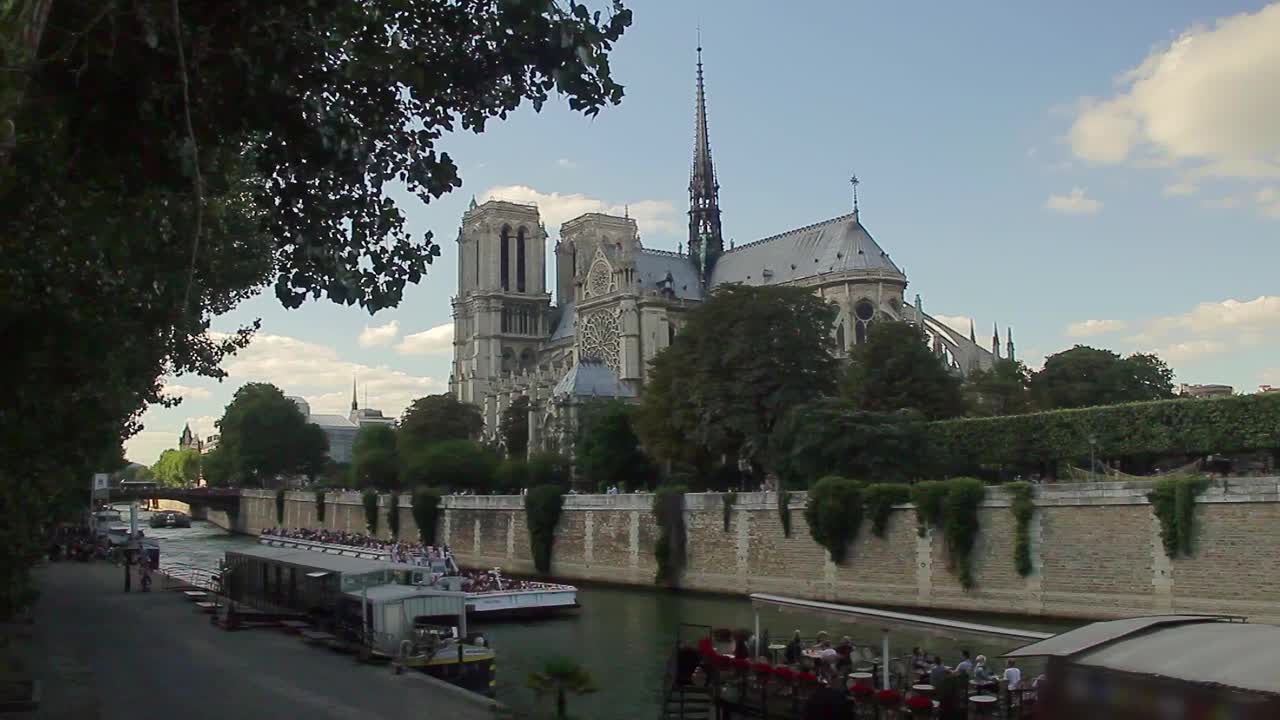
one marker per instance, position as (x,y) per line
(106,654)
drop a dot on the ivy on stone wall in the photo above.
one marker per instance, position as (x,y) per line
(426,513)
(1022,509)
(881,497)
(728,499)
(834,514)
(393,514)
(370,499)
(784,511)
(320,506)
(951,506)
(928,497)
(542,506)
(280,507)
(669,550)
(1173,500)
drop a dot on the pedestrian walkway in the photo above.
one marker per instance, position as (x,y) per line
(103,654)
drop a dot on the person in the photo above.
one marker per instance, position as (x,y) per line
(1012,675)
(937,673)
(982,677)
(966,664)
(919,661)
(740,649)
(828,654)
(792,654)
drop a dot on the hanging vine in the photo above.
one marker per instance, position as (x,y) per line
(280,507)
(426,513)
(728,499)
(370,499)
(834,514)
(393,514)
(542,506)
(881,497)
(669,550)
(1022,509)
(784,511)
(928,497)
(1173,500)
(951,506)
(319,506)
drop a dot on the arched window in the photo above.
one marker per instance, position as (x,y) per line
(863,311)
(477,254)
(504,257)
(840,337)
(860,332)
(671,334)
(526,359)
(520,260)
(508,361)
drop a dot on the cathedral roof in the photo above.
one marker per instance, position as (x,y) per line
(841,244)
(652,267)
(568,322)
(592,378)
(331,421)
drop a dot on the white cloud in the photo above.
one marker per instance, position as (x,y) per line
(566,163)
(1189,350)
(438,339)
(652,216)
(959,323)
(1222,203)
(1209,102)
(1075,202)
(1228,316)
(1268,200)
(186,392)
(379,334)
(145,447)
(1089,328)
(1181,188)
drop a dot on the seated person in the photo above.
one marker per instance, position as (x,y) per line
(937,673)
(982,677)
(794,650)
(966,664)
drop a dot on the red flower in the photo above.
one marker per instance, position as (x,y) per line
(807,678)
(723,661)
(862,691)
(784,673)
(762,668)
(705,649)
(919,702)
(889,698)
(741,663)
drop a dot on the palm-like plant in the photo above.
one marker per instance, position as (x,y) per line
(561,676)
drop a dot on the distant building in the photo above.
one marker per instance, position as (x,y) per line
(1263,389)
(341,431)
(1205,391)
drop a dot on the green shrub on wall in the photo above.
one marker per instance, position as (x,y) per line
(1173,500)
(280,507)
(393,514)
(834,514)
(1022,509)
(928,497)
(881,497)
(370,499)
(319,506)
(542,507)
(784,511)
(426,513)
(952,507)
(728,500)
(669,550)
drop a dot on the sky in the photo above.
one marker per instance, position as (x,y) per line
(1088,172)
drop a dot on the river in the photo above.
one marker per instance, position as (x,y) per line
(624,636)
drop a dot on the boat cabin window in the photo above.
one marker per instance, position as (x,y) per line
(411,577)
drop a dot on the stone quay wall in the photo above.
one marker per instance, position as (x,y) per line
(1095,548)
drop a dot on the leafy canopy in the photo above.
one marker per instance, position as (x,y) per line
(437,418)
(514,427)
(264,435)
(452,464)
(1002,390)
(895,370)
(607,450)
(177,468)
(1084,376)
(374,460)
(828,437)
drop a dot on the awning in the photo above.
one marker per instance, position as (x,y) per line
(318,574)
(1092,635)
(895,618)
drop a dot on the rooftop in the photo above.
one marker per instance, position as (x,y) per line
(840,244)
(320,561)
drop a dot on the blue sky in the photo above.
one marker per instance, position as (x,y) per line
(1083,172)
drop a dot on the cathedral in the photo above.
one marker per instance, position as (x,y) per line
(618,303)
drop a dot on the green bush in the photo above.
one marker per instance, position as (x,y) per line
(834,514)
(1022,508)
(393,514)
(929,498)
(669,550)
(370,499)
(280,507)
(881,497)
(960,523)
(319,506)
(542,506)
(784,511)
(426,513)
(728,500)
(1173,500)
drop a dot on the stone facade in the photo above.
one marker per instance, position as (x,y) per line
(1095,548)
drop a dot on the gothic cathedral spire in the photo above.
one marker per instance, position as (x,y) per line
(354,406)
(705,240)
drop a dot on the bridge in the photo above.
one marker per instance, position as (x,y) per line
(225,499)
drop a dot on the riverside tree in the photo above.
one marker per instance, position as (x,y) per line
(264,436)
(607,450)
(514,428)
(177,468)
(895,370)
(437,418)
(374,460)
(1085,376)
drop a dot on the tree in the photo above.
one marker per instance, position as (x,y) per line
(549,468)
(559,677)
(511,475)
(177,468)
(607,450)
(437,418)
(452,464)
(216,467)
(514,427)
(828,437)
(265,436)
(374,460)
(744,358)
(1084,376)
(895,370)
(1141,377)
(1002,390)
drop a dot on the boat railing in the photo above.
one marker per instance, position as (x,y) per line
(358,551)
(180,574)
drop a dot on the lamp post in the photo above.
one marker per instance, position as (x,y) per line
(1093,444)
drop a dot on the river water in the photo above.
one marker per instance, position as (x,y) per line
(624,636)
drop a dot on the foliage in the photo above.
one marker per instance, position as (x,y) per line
(895,370)
(435,419)
(215,466)
(1185,426)
(375,462)
(336,474)
(511,475)
(1173,500)
(1085,377)
(514,428)
(669,551)
(320,506)
(426,513)
(1002,390)
(881,497)
(177,468)
(135,472)
(784,511)
(1023,509)
(549,468)
(265,436)
(559,677)
(606,449)
(960,524)
(542,506)
(929,497)
(728,500)
(452,464)
(370,500)
(393,513)
(834,514)
(280,499)
(827,437)
(744,358)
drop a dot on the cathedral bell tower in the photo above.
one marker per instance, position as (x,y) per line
(705,241)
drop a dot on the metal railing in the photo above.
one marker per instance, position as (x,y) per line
(179,574)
